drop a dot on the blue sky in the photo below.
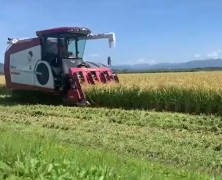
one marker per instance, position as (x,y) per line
(151,31)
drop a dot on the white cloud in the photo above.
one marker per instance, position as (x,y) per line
(197,55)
(152,61)
(214,54)
(144,61)
(93,55)
(141,60)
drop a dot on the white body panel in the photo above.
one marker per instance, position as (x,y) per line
(22,65)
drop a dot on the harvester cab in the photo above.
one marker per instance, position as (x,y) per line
(53,62)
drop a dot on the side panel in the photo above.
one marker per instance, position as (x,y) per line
(10,65)
(22,65)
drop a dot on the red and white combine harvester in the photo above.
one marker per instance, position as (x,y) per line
(53,62)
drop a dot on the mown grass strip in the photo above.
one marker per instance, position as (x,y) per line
(176,140)
(33,153)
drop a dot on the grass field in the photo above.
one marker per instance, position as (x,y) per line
(52,141)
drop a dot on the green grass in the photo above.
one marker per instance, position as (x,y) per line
(142,143)
(33,154)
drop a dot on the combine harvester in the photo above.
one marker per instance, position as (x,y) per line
(53,62)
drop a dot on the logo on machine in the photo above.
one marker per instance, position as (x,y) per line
(29,57)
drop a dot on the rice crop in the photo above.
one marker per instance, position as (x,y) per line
(196,92)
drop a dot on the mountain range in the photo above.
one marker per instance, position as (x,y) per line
(206,63)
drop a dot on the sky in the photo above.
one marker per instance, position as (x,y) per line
(147,31)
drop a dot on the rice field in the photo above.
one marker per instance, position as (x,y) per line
(118,137)
(2,80)
(185,80)
(192,92)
